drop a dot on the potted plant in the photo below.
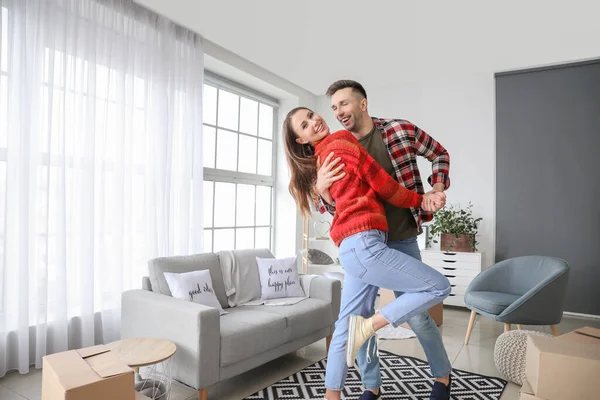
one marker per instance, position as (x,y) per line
(456,227)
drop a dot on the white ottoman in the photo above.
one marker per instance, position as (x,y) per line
(509,354)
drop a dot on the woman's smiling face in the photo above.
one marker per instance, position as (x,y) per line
(309,126)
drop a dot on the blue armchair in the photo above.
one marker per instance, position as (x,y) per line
(527,290)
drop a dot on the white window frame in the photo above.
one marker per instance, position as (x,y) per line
(219,175)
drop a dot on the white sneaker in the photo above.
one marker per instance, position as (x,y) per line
(359,331)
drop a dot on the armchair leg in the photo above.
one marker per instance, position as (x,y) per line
(507,327)
(203,394)
(554,330)
(327,343)
(471,325)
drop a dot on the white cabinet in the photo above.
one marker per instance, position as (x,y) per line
(459,268)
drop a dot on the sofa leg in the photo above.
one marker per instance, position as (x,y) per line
(203,394)
(327,343)
(507,327)
(520,327)
(471,325)
(554,330)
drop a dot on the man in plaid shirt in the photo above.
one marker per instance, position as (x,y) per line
(395,144)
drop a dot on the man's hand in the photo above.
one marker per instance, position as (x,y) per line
(327,174)
(433,201)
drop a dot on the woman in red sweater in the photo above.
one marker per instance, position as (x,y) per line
(359,228)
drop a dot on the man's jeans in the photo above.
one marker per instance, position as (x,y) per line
(424,327)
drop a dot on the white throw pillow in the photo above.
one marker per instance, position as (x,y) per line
(279,278)
(195,286)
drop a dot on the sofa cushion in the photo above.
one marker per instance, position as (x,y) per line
(181,264)
(247,331)
(490,302)
(195,286)
(305,317)
(279,278)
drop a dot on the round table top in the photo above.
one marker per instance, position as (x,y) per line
(140,352)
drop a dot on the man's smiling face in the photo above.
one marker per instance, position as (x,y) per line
(347,106)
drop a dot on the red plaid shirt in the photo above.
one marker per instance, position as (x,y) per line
(405,142)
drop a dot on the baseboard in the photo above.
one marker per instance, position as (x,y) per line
(578,315)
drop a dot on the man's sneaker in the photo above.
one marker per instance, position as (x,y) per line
(441,391)
(359,331)
(368,395)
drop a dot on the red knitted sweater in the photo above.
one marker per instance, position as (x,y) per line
(358,195)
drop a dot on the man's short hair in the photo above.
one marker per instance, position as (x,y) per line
(346,83)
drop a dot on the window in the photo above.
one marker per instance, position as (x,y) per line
(95,174)
(99,142)
(238,154)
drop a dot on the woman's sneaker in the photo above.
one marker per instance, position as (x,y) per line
(359,331)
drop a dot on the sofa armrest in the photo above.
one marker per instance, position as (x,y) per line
(194,328)
(329,290)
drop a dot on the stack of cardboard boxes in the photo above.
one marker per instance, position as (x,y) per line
(92,373)
(563,368)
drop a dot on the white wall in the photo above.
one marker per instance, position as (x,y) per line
(441,74)
(223,62)
(459,113)
(287,222)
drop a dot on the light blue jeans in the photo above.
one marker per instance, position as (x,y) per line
(424,327)
(369,264)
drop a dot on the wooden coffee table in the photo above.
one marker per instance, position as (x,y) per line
(141,352)
(144,352)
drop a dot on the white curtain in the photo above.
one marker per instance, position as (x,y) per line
(100,166)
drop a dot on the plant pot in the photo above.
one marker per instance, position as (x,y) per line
(462,243)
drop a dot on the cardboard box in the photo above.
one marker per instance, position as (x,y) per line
(583,335)
(436,312)
(565,367)
(92,373)
(386,296)
(526,392)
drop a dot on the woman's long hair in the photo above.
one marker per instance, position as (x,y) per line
(303,166)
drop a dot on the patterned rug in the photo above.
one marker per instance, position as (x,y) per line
(403,378)
(388,332)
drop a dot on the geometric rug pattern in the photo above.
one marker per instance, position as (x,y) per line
(403,378)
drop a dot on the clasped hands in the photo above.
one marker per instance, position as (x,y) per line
(433,201)
(328,173)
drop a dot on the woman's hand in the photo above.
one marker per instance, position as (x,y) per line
(433,201)
(327,174)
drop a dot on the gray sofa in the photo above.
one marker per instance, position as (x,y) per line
(212,348)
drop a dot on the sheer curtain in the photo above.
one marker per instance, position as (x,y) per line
(100,166)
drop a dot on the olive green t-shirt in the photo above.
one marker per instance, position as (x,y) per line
(401,222)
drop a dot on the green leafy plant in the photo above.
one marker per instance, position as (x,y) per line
(454,220)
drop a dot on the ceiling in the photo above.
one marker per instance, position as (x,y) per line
(311,43)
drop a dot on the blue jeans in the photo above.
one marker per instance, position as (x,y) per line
(424,327)
(369,264)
